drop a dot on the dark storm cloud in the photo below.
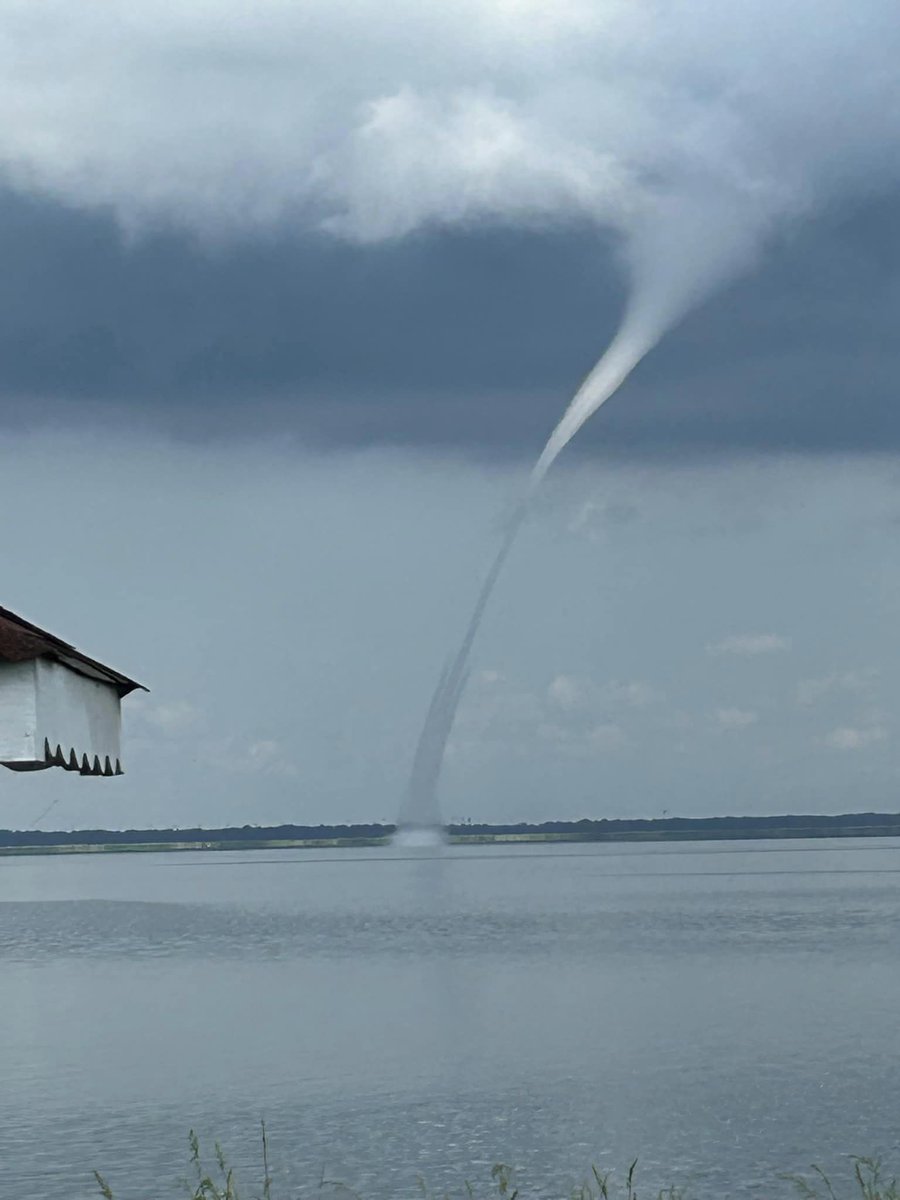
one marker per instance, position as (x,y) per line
(468,340)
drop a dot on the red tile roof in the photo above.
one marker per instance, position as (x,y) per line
(21,641)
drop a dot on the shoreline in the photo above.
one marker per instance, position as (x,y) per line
(29,843)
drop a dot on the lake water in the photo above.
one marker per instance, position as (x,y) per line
(724,1011)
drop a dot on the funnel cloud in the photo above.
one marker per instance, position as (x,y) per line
(701,222)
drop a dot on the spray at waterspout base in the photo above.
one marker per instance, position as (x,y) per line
(419,837)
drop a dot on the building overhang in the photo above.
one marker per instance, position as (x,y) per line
(58,708)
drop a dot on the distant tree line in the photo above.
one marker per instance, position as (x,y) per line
(692,826)
(243,833)
(584,830)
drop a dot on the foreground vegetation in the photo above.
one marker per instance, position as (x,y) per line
(864,1179)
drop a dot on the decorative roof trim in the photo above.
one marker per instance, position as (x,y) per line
(70,761)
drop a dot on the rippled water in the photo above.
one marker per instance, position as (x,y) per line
(725,1011)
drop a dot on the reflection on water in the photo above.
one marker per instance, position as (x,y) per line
(725,1011)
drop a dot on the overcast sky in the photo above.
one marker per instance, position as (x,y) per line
(289,305)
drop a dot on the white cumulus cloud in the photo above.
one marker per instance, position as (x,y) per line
(262,756)
(848,738)
(607,737)
(749,644)
(175,718)
(814,691)
(566,692)
(735,718)
(569,692)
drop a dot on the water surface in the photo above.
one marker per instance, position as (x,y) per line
(725,1011)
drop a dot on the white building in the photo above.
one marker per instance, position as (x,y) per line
(58,708)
